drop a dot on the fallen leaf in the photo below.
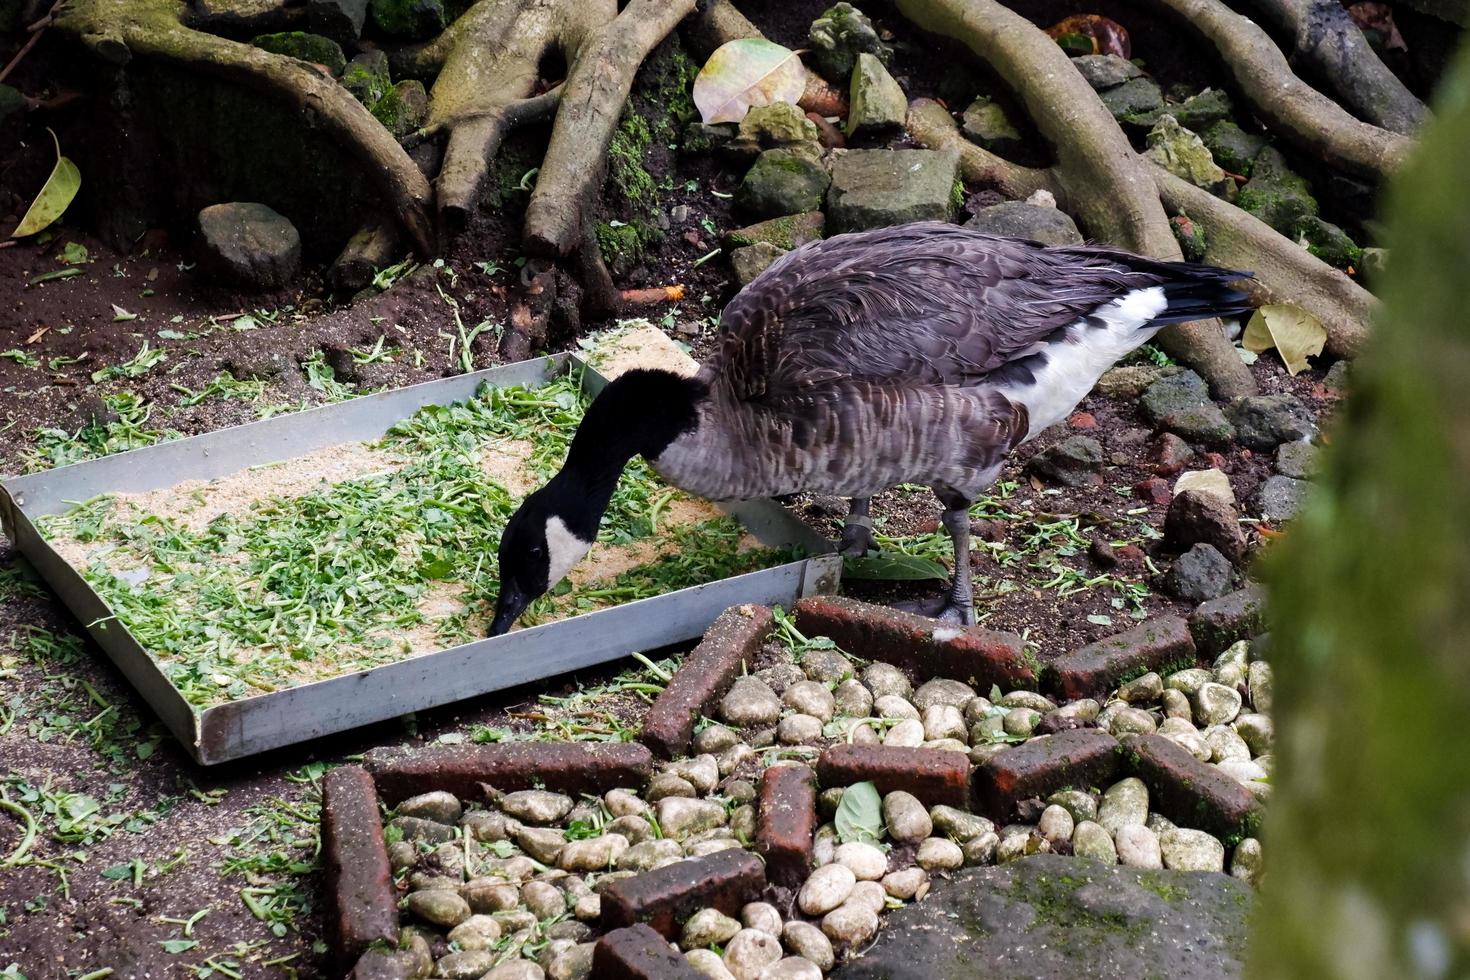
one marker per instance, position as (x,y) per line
(860,814)
(1106,36)
(894,568)
(56,194)
(1294,332)
(744,74)
(119,314)
(74,253)
(63,273)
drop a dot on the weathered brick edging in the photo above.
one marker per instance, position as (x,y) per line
(639,953)
(364,906)
(935,776)
(574,768)
(1190,792)
(924,647)
(665,897)
(786,822)
(1093,670)
(1080,758)
(702,679)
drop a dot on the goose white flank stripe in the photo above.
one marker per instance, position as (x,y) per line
(922,353)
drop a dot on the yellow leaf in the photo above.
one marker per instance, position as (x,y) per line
(747,73)
(1294,332)
(56,194)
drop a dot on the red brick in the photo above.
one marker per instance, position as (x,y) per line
(1082,420)
(364,906)
(1093,670)
(559,766)
(639,953)
(1190,792)
(924,647)
(1040,767)
(706,674)
(665,897)
(786,820)
(935,776)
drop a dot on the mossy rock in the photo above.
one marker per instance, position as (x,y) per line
(1195,112)
(1184,154)
(1191,237)
(876,102)
(777,124)
(752,260)
(837,38)
(410,20)
(1328,242)
(1105,71)
(1232,147)
(366,77)
(1134,97)
(788,232)
(311,48)
(986,124)
(701,137)
(404,108)
(1276,194)
(785,180)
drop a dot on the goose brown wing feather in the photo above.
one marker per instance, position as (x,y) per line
(924,303)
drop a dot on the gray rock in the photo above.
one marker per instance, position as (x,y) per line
(986,124)
(650,854)
(439,907)
(1373,263)
(752,260)
(1259,685)
(467,965)
(1132,380)
(779,124)
(807,941)
(1182,153)
(1247,862)
(1080,805)
(781,675)
(1200,573)
(1105,71)
(1145,689)
(1296,459)
(943,690)
(1336,378)
(1124,803)
(541,843)
(1263,422)
(837,38)
(340,20)
(1276,194)
(962,825)
(1075,462)
(536,805)
(800,729)
(785,180)
(1134,97)
(1188,681)
(1195,113)
(1216,704)
(1195,517)
(681,818)
(1173,394)
(419,829)
(248,245)
(905,817)
(852,699)
(1205,425)
(886,679)
(875,188)
(1257,731)
(1052,918)
(876,103)
(1279,498)
(410,20)
(940,854)
(1091,840)
(666,784)
(1017,219)
(1138,846)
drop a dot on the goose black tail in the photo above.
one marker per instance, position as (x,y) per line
(1196,292)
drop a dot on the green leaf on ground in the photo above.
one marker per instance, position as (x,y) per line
(894,568)
(860,814)
(55,196)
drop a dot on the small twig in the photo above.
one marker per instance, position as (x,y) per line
(36,30)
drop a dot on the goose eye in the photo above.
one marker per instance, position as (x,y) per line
(537,551)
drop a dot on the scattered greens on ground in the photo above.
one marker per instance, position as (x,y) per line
(337,579)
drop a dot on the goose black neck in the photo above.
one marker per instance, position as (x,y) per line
(638,414)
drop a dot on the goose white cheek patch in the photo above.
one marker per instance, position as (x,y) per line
(563,550)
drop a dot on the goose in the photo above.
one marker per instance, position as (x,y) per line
(920,353)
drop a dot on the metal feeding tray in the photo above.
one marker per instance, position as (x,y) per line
(267,721)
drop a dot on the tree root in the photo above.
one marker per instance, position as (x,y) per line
(119,30)
(931,124)
(1109,188)
(1332,48)
(1289,106)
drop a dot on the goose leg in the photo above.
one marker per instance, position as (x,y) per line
(961,605)
(857,530)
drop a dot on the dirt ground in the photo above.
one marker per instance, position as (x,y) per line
(132,841)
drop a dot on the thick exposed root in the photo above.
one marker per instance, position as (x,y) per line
(118,30)
(592,99)
(1111,192)
(1289,106)
(1285,272)
(1332,48)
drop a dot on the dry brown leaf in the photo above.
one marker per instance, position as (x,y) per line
(1294,332)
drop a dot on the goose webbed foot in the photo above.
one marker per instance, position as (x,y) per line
(945,608)
(857,532)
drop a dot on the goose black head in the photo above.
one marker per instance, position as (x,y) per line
(639,413)
(543,540)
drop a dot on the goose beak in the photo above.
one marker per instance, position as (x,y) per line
(508,607)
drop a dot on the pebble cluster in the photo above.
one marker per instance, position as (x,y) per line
(511,891)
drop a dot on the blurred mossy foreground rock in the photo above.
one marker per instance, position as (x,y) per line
(1057,918)
(875,188)
(248,245)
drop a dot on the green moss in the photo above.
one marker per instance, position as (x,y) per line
(401,109)
(672,90)
(623,244)
(312,48)
(625,158)
(1166,890)
(366,77)
(957,195)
